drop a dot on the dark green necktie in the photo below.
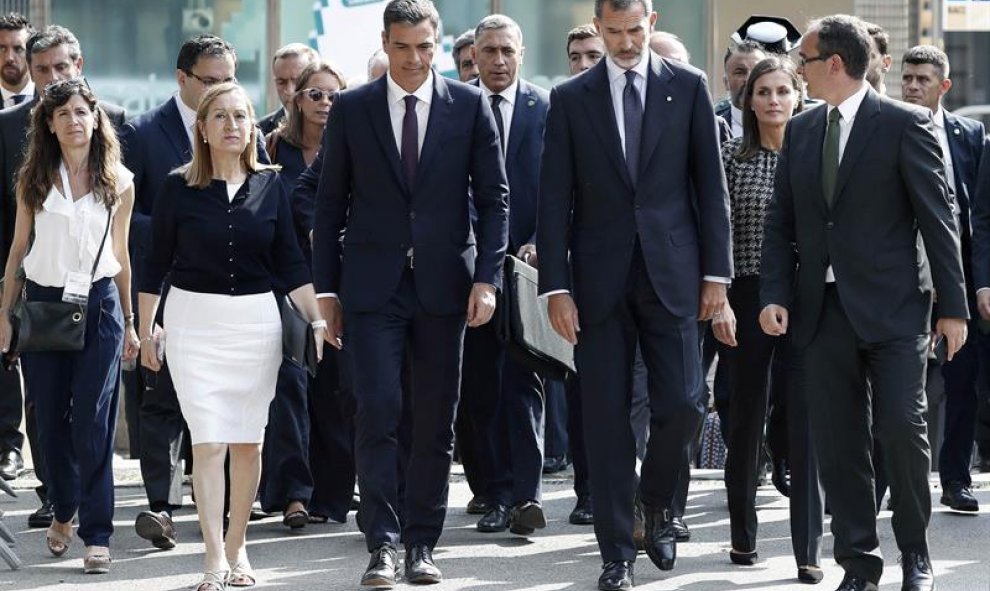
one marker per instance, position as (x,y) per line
(830,156)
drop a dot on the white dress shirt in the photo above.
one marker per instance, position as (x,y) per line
(8,96)
(737,124)
(188,118)
(617,84)
(506,107)
(67,235)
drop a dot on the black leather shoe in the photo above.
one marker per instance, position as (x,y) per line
(526,518)
(554,464)
(478,506)
(381,568)
(917,569)
(959,497)
(420,569)
(43,516)
(743,558)
(639,524)
(810,574)
(583,513)
(616,575)
(11,464)
(661,541)
(156,528)
(780,476)
(851,582)
(681,531)
(495,521)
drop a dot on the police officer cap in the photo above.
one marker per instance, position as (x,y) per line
(777,34)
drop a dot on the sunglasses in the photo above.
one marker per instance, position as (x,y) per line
(317,94)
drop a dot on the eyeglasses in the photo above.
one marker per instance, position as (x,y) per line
(804,61)
(317,94)
(57,86)
(208,82)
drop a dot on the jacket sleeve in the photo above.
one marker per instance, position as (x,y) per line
(553,220)
(778,262)
(980,220)
(163,235)
(332,199)
(490,192)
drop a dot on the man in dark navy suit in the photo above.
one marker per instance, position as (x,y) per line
(52,54)
(634,246)
(154,144)
(503,398)
(409,272)
(924,81)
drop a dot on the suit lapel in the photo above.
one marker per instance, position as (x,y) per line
(812,153)
(655,112)
(522,118)
(863,127)
(436,127)
(955,134)
(601,114)
(381,122)
(175,130)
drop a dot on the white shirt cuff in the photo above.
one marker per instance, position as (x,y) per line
(713,279)
(554,292)
(321,296)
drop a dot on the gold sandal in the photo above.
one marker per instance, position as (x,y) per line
(97,561)
(241,574)
(58,543)
(213,581)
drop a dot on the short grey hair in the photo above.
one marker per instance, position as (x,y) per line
(622,5)
(51,37)
(466,39)
(296,50)
(847,37)
(928,54)
(497,22)
(379,57)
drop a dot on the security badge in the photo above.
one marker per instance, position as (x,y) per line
(76,289)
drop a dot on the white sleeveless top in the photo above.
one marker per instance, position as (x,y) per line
(67,235)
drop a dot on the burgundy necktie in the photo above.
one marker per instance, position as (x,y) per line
(410,141)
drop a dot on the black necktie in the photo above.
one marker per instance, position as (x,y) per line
(830,155)
(410,141)
(18,99)
(632,114)
(499,122)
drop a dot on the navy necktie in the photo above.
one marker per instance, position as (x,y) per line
(632,114)
(410,141)
(499,122)
(18,99)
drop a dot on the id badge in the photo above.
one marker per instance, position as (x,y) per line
(76,289)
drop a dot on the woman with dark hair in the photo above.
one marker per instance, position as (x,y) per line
(222,232)
(75,197)
(773,94)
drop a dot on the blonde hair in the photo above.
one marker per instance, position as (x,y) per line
(198,172)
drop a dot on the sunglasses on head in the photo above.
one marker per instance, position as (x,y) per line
(317,94)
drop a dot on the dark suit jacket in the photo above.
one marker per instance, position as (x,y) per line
(14,122)
(890,184)
(363,190)
(270,122)
(966,139)
(590,209)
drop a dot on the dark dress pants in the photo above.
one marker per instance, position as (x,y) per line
(961,383)
(838,365)
(378,342)
(480,385)
(605,355)
(162,434)
(285,474)
(76,394)
(575,437)
(11,410)
(331,441)
(555,438)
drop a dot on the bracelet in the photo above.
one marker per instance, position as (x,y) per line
(129,318)
(148,339)
(318,324)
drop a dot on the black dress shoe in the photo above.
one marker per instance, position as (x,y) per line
(661,541)
(743,558)
(526,518)
(495,521)
(917,569)
(11,464)
(959,497)
(616,575)
(851,582)
(381,568)
(811,575)
(478,505)
(583,513)
(780,476)
(681,531)
(420,569)
(157,528)
(43,516)
(554,464)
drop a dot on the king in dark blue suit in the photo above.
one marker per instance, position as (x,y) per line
(394,250)
(634,246)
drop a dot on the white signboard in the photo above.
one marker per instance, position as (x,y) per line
(966,15)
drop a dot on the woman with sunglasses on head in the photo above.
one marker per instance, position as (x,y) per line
(772,95)
(308,417)
(222,232)
(75,196)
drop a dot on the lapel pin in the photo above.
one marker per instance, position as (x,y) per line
(531,102)
(956,131)
(669,99)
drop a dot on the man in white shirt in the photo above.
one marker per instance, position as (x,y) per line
(15,80)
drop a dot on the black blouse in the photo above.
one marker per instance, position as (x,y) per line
(209,244)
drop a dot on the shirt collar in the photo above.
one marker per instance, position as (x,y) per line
(396,94)
(939,117)
(736,113)
(615,71)
(850,106)
(27,91)
(508,95)
(188,115)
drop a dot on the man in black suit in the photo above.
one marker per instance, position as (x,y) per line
(739,60)
(501,397)
(633,239)
(287,63)
(52,54)
(856,182)
(154,144)
(924,81)
(467,68)
(409,273)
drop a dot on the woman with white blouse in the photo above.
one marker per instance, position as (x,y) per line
(74,195)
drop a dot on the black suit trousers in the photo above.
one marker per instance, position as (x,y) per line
(838,365)
(378,342)
(605,355)
(162,434)
(11,410)
(331,441)
(285,472)
(961,391)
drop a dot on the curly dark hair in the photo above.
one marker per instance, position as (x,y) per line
(43,154)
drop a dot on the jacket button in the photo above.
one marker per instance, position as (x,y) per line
(412,215)
(830,225)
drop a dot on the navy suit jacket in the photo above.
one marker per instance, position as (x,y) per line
(14,122)
(966,140)
(591,214)
(363,195)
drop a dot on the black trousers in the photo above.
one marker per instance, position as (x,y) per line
(11,410)
(576,438)
(481,383)
(961,377)
(379,342)
(162,434)
(285,473)
(331,441)
(605,355)
(838,365)
(556,442)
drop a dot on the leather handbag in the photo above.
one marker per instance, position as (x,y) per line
(52,326)
(298,342)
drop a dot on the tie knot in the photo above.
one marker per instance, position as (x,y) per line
(496,100)
(834,116)
(410,101)
(630,77)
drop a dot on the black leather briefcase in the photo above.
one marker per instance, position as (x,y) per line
(298,343)
(523,326)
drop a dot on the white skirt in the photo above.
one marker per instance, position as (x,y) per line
(223,353)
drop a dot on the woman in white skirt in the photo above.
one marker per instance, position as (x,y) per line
(221,229)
